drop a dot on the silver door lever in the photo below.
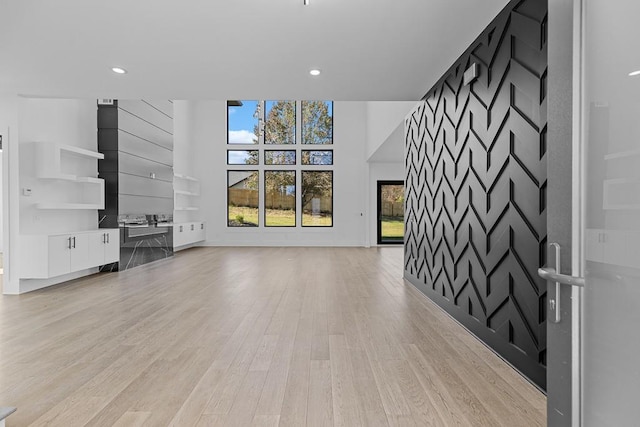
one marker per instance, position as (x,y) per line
(554,275)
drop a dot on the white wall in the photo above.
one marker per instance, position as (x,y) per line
(207,129)
(1,201)
(70,122)
(65,121)
(9,108)
(382,119)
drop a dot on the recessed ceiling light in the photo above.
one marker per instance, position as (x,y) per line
(634,73)
(314,72)
(119,70)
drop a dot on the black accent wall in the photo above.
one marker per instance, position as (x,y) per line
(136,138)
(476,179)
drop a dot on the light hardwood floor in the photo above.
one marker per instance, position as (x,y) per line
(252,336)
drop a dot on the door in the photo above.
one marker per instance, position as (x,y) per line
(59,255)
(611,203)
(97,242)
(112,246)
(605,222)
(390,212)
(80,252)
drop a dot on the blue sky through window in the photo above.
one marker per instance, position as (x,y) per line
(242,123)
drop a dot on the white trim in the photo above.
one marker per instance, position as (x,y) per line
(578,212)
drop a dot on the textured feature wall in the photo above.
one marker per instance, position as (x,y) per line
(475,164)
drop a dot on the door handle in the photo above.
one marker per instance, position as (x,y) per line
(553,275)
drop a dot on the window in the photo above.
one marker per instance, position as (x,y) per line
(280,122)
(312,157)
(317,122)
(242,198)
(242,157)
(243,124)
(272,180)
(283,157)
(317,198)
(280,199)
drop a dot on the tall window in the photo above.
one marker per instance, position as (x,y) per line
(271,177)
(242,196)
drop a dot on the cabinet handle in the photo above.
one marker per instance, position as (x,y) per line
(192,227)
(180,229)
(104,238)
(201,226)
(74,242)
(108,237)
(69,242)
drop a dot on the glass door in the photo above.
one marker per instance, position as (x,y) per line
(611,206)
(390,212)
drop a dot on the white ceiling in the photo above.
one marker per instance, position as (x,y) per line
(234,49)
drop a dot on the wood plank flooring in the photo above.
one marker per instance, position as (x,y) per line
(252,337)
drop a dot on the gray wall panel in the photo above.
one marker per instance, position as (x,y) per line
(475,215)
(140,186)
(134,145)
(135,165)
(148,113)
(145,205)
(145,130)
(162,105)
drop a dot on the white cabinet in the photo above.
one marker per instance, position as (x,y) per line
(104,247)
(46,256)
(187,233)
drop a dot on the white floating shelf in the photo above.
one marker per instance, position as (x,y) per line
(81,151)
(53,205)
(73,178)
(187,177)
(187,193)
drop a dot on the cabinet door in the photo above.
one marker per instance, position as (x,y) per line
(96,248)
(80,252)
(179,238)
(200,232)
(112,247)
(59,255)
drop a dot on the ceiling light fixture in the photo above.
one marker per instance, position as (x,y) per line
(634,73)
(119,70)
(314,72)
(306,2)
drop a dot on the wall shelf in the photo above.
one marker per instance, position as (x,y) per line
(72,171)
(53,205)
(186,192)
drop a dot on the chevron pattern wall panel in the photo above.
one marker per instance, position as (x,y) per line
(475,162)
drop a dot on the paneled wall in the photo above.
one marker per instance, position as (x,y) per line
(475,164)
(136,137)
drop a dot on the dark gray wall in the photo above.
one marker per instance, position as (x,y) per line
(136,137)
(476,183)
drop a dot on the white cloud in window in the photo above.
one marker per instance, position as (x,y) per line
(241,137)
